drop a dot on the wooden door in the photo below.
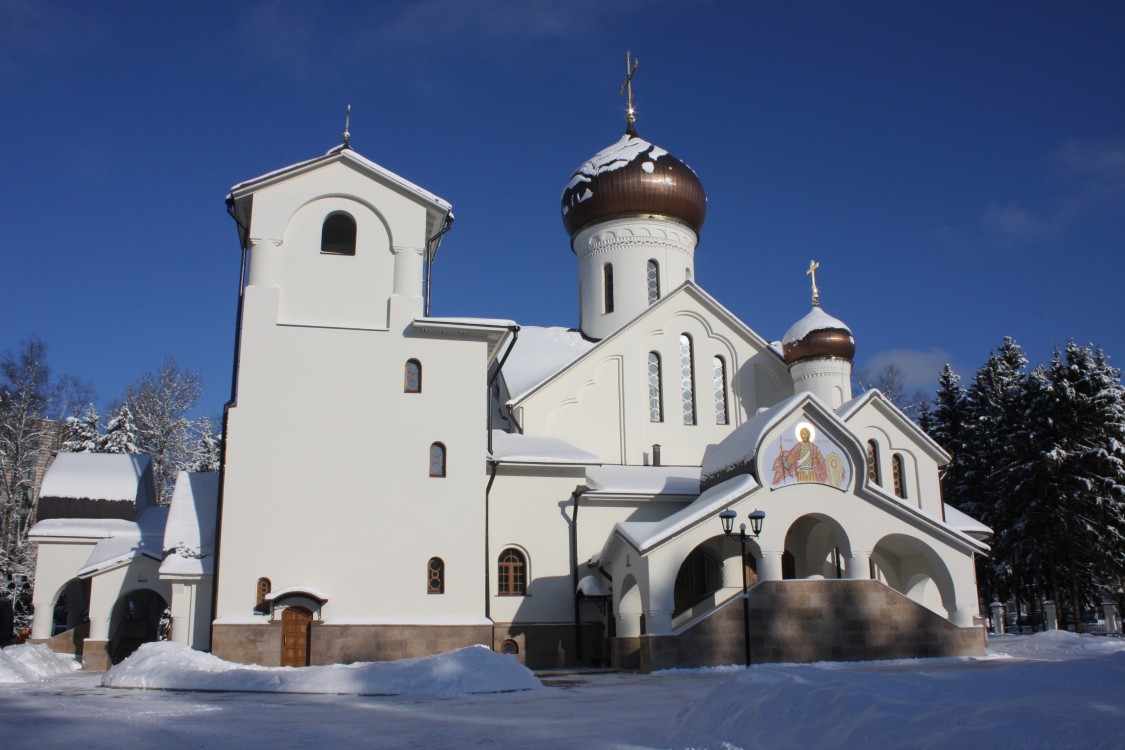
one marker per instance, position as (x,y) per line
(295,625)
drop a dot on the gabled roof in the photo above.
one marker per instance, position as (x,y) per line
(189,535)
(96,476)
(240,197)
(688,288)
(887,407)
(144,539)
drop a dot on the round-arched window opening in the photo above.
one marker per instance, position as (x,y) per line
(337,236)
(509,647)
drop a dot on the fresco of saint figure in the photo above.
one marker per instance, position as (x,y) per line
(802,462)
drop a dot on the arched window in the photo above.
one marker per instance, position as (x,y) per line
(510,647)
(337,236)
(873,462)
(687,379)
(897,473)
(412,377)
(655,389)
(264,588)
(436,576)
(719,368)
(437,460)
(653,281)
(607,284)
(511,573)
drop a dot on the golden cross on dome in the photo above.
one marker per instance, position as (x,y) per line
(813,265)
(630,69)
(347,121)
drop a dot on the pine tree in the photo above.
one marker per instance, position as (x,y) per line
(947,423)
(121,433)
(83,433)
(207,455)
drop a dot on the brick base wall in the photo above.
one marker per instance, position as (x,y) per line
(805,621)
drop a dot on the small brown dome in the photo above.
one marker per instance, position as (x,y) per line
(633,177)
(818,335)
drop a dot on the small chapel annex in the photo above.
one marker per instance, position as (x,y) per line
(554,493)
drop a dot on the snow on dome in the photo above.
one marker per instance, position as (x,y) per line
(189,535)
(817,335)
(96,476)
(816,320)
(539,353)
(527,449)
(633,176)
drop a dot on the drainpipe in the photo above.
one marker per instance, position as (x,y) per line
(244,238)
(579,491)
(487,562)
(515,331)
(432,243)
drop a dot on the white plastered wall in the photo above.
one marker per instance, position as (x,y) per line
(59,561)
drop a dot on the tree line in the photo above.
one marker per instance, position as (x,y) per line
(1039,456)
(41,415)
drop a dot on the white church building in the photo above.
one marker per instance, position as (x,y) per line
(555,493)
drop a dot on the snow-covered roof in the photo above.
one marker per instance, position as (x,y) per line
(538,354)
(513,448)
(495,331)
(815,320)
(966,524)
(592,586)
(643,480)
(145,538)
(189,535)
(342,153)
(480,322)
(97,476)
(644,535)
(298,590)
(80,528)
(736,452)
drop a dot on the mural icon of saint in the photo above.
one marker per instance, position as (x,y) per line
(803,462)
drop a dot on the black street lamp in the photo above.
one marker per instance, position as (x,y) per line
(756,520)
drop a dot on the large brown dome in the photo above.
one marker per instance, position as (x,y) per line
(633,177)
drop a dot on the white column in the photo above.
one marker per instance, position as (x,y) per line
(997,617)
(99,628)
(1112,623)
(42,620)
(858,567)
(1051,615)
(962,615)
(658,622)
(628,625)
(263,258)
(769,569)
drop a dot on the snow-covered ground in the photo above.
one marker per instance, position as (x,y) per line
(1051,690)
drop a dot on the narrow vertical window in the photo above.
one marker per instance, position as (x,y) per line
(511,573)
(436,576)
(412,377)
(655,389)
(719,370)
(607,283)
(263,590)
(873,462)
(687,379)
(437,460)
(653,281)
(337,236)
(897,475)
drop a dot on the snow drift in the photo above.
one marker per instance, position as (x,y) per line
(27,663)
(476,669)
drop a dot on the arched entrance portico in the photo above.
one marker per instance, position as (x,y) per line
(136,619)
(912,568)
(819,548)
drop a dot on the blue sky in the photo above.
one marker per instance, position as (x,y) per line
(957,168)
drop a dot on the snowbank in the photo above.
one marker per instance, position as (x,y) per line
(27,663)
(1059,700)
(1053,645)
(172,666)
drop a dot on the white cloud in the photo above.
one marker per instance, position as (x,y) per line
(920,367)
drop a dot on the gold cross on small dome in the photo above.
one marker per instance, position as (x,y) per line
(630,69)
(813,265)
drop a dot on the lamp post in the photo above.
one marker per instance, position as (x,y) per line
(756,520)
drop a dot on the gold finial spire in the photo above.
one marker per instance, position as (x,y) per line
(627,87)
(813,265)
(347,121)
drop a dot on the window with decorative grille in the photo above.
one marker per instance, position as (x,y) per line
(436,580)
(512,573)
(687,379)
(412,376)
(719,370)
(653,281)
(873,462)
(437,460)
(655,389)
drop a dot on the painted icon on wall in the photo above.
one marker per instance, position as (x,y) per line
(804,458)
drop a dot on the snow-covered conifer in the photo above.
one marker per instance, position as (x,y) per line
(121,433)
(83,433)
